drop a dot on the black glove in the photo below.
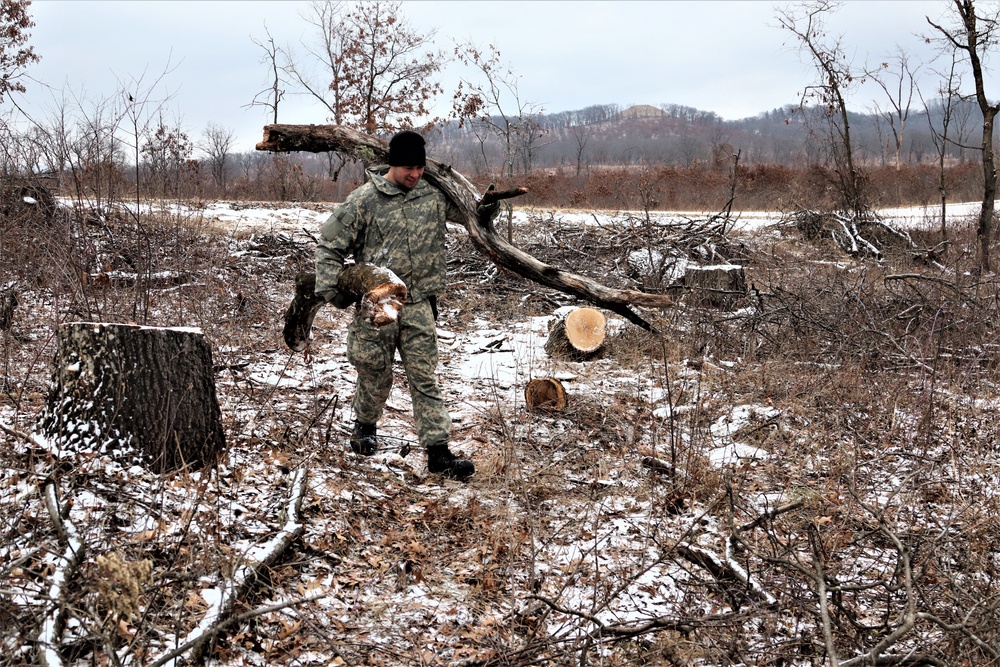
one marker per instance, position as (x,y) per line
(488,211)
(342,300)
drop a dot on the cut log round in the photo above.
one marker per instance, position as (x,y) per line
(142,395)
(545,393)
(586,329)
(579,335)
(379,292)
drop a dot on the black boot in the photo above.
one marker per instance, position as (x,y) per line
(440,460)
(363,439)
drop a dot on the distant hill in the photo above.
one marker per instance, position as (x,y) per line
(672,134)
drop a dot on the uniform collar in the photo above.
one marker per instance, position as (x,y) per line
(376,175)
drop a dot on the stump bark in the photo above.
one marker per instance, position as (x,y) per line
(142,395)
(380,295)
(718,286)
(580,335)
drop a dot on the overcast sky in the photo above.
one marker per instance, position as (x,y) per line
(725,57)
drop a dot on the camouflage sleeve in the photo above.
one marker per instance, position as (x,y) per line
(452,212)
(338,237)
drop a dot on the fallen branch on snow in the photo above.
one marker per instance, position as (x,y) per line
(218,616)
(726,570)
(50,636)
(24,437)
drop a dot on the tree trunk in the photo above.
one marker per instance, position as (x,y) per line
(985,230)
(139,394)
(323,138)
(380,295)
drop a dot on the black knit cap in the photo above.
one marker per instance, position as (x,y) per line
(406,149)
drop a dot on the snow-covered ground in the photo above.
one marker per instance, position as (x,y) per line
(293,219)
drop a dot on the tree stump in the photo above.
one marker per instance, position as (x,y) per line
(718,286)
(545,393)
(142,395)
(379,292)
(578,336)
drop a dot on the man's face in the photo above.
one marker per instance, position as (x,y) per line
(405,177)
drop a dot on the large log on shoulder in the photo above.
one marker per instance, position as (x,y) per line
(142,395)
(343,140)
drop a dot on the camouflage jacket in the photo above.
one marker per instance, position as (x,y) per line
(383,224)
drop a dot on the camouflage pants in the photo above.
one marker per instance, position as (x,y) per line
(371,351)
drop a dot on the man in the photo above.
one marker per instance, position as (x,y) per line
(395,220)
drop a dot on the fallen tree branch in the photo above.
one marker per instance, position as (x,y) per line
(325,138)
(50,636)
(683,625)
(771,514)
(23,437)
(255,562)
(727,571)
(229,622)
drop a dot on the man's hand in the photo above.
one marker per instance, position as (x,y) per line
(342,300)
(488,211)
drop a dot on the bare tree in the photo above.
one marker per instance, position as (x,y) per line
(327,54)
(974,37)
(269,97)
(895,77)
(367,66)
(581,136)
(217,144)
(378,71)
(836,78)
(490,102)
(167,151)
(940,135)
(689,147)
